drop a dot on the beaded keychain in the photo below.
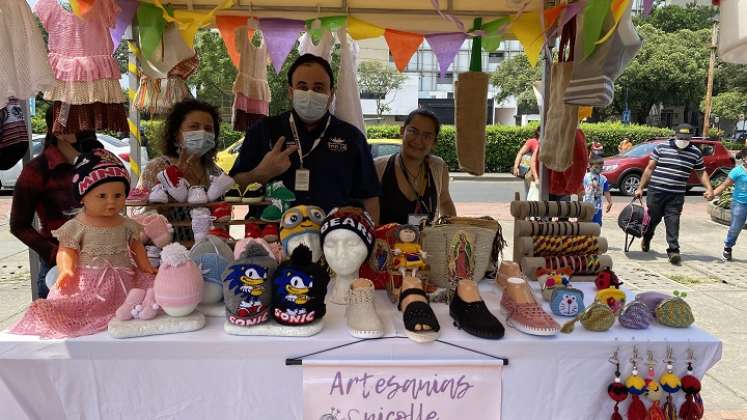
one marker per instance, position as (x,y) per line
(636,386)
(617,390)
(653,390)
(692,408)
(671,384)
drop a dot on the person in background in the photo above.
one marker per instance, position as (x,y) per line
(571,181)
(414,182)
(596,186)
(44,188)
(523,167)
(667,173)
(624,145)
(738,178)
(596,150)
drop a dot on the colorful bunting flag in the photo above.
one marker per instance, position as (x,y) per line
(402,45)
(445,47)
(594,14)
(326,24)
(227,27)
(189,22)
(493,33)
(81,7)
(584,112)
(124,19)
(358,29)
(552,14)
(281,36)
(618,10)
(152,24)
(528,30)
(647,6)
(571,11)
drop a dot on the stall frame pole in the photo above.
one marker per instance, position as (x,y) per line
(544,181)
(133,120)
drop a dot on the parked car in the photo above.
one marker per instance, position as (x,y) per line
(624,171)
(120,147)
(379,147)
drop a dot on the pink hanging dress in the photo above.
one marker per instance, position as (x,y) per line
(252,92)
(87,94)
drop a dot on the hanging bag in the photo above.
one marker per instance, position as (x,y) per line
(470,113)
(633,220)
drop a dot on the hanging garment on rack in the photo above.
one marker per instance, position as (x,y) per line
(347,103)
(14,136)
(251,90)
(87,76)
(322,49)
(22,49)
(592,81)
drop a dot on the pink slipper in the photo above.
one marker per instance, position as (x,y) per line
(150,307)
(126,311)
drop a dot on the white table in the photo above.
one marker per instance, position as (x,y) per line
(210,375)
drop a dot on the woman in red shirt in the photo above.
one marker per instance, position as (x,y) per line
(523,168)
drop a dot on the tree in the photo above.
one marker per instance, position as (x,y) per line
(378,79)
(215,75)
(675,18)
(730,77)
(514,77)
(728,105)
(670,68)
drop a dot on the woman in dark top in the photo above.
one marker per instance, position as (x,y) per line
(414,183)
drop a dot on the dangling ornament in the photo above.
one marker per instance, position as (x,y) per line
(636,386)
(671,384)
(617,390)
(692,408)
(653,391)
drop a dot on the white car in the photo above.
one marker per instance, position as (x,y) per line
(120,147)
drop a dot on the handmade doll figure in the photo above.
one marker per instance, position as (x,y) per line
(95,269)
(407,251)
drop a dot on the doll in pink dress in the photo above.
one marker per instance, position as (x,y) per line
(100,256)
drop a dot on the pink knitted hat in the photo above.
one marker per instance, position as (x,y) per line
(179,281)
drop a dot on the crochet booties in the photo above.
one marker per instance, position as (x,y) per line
(360,313)
(219,187)
(128,309)
(474,317)
(158,229)
(174,183)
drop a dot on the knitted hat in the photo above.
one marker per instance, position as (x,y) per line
(246,287)
(178,284)
(352,218)
(298,289)
(213,256)
(98,167)
(300,220)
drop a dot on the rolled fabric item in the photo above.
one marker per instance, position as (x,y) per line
(530,228)
(581,265)
(470,96)
(564,209)
(544,246)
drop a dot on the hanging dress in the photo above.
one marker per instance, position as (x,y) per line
(25,69)
(86,93)
(251,90)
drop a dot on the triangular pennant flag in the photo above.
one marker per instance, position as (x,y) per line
(594,14)
(445,47)
(571,11)
(402,45)
(528,30)
(281,36)
(189,22)
(584,112)
(618,10)
(124,19)
(647,6)
(552,15)
(81,7)
(493,33)
(227,27)
(326,24)
(358,29)
(152,24)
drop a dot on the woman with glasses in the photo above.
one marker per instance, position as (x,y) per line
(414,183)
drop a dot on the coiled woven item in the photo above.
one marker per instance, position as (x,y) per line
(579,264)
(531,228)
(563,209)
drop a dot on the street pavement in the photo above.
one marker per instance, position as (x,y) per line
(717,291)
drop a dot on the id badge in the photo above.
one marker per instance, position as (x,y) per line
(415,219)
(303,177)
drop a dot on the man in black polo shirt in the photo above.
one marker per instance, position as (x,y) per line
(666,177)
(325,161)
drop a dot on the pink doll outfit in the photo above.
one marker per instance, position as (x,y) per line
(105,274)
(252,92)
(86,94)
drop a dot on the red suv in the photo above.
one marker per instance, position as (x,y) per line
(624,171)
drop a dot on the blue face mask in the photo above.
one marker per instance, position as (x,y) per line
(198,142)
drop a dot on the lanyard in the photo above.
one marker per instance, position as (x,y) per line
(294,130)
(412,185)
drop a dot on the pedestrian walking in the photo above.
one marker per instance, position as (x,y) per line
(596,187)
(737,178)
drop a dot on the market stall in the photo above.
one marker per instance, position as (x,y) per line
(213,329)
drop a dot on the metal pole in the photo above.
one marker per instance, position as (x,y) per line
(544,181)
(134,118)
(709,85)
(33,256)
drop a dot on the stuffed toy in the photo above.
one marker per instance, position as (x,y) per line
(606,279)
(298,289)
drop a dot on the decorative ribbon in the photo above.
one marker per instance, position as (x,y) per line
(402,45)
(358,29)
(227,27)
(127,9)
(445,47)
(109,267)
(281,36)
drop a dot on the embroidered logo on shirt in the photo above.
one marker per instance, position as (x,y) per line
(337,144)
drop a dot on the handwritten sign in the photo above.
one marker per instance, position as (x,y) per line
(401,390)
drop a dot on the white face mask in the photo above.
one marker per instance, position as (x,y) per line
(310,106)
(198,142)
(681,144)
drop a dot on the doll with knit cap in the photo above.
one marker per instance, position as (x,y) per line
(96,271)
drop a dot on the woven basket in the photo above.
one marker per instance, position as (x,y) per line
(483,235)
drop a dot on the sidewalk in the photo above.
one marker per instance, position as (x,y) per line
(717,291)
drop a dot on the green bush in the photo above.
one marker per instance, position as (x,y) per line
(733,145)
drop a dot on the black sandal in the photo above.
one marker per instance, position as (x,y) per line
(475,319)
(418,312)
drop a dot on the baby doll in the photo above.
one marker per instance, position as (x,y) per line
(407,251)
(95,269)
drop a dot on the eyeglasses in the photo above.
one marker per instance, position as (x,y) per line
(413,133)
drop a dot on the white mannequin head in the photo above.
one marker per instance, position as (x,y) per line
(344,251)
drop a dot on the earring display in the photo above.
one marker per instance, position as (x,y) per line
(636,387)
(617,390)
(671,384)
(692,408)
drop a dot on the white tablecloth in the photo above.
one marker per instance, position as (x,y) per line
(210,375)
